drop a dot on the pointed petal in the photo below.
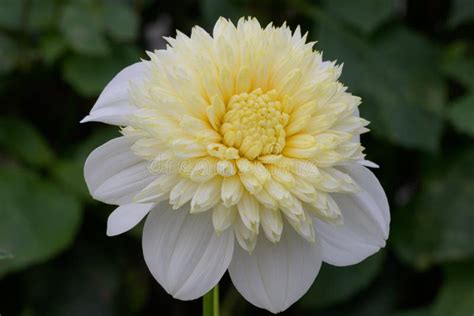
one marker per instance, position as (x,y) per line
(246,238)
(223,217)
(356,138)
(114,174)
(113,105)
(249,211)
(272,223)
(125,217)
(366,217)
(369,164)
(275,275)
(183,252)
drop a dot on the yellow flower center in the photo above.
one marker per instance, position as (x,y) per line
(255,124)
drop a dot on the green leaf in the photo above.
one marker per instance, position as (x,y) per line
(120,22)
(137,288)
(10,14)
(337,284)
(39,220)
(8,54)
(21,139)
(70,173)
(402,90)
(416,71)
(41,14)
(457,294)
(83,29)
(213,9)
(89,75)
(460,69)
(461,11)
(437,226)
(365,15)
(461,114)
(415,312)
(86,281)
(5,255)
(52,46)
(376,300)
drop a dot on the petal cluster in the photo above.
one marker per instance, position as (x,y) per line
(245,135)
(249,124)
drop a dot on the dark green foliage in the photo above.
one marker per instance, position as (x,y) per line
(436,226)
(337,284)
(38,218)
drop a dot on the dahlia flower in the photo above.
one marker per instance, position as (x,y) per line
(242,149)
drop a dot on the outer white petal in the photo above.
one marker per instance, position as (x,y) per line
(113,105)
(125,217)
(183,252)
(275,275)
(114,174)
(369,164)
(366,216)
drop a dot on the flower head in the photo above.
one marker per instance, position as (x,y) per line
(248,135)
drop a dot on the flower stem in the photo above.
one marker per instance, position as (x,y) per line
(216,300)
(210,302)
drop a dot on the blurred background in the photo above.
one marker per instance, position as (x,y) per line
(411,61)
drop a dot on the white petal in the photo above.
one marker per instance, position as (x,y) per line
(272,223)
(223,217)
(206,196)
(249,211)
(246,238)
(366,217)
(372,190)
(125,217)
(303,226)
(183,252)
(114,174)
(275,275)
(113,105)
(231,190)
(369,164)
(356,113)
(182,192)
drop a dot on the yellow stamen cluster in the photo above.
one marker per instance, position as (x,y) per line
(254,124)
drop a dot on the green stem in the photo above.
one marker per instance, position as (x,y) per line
(210,302)
(216,300)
